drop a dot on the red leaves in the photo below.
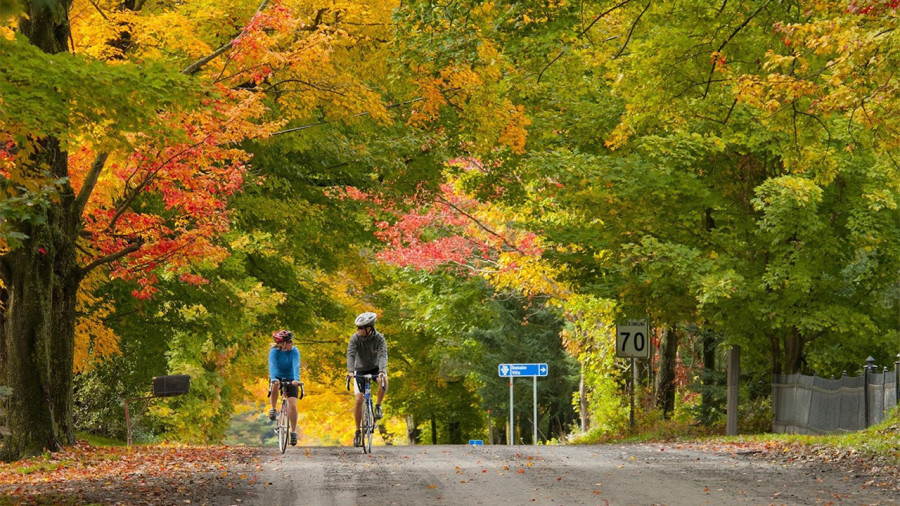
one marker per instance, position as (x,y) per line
(873,7)
(451,229)
(119,475)
(165,205)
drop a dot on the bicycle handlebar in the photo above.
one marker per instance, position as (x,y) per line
(364,376)
(285,381)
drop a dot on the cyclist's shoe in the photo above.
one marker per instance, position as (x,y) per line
(293,439)
(357,439)
(272,414)
(378,413)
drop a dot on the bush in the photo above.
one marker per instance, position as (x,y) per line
(755,416)
(99,407)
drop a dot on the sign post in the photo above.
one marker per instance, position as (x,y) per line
(511,433)
(633,341)
(534,433)
(521,370)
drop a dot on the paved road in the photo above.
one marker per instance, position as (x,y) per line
(618,474)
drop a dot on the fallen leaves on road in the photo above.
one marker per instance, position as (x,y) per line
(884,472)
(135,475)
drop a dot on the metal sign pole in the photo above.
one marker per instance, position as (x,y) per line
(534,439)
(522,370)
(631,411)
(512,425)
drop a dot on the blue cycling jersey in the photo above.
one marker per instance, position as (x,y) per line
(284,364)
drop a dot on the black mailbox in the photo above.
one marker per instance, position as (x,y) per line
(170,386)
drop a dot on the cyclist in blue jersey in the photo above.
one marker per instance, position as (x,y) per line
(366,354)
(284,363)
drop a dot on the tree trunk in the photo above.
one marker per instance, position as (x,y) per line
(65,294)
(47,24)
(454,430)
(583,402)
(665,379)
(28,276)
(413,432)
(775,353)
(433,430)
(709,366)
(42,279)
(793,352)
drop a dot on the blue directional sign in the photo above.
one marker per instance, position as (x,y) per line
(476,442)
(515,370)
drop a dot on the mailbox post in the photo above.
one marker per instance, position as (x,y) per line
(163,386)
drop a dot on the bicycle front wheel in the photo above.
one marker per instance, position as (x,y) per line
(368,428)
(283,430)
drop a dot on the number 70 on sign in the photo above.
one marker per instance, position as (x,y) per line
(633,339)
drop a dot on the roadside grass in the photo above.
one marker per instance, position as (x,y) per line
(101,441)
(881,442)
(651,429)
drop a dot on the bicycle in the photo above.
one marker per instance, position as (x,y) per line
(367,424)
(283,423)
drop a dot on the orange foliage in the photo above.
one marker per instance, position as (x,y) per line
(93,339)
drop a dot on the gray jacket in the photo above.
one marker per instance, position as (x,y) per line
(367,353)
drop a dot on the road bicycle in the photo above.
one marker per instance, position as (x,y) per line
(283,423)
(367,424)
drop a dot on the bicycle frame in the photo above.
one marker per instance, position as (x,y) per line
(367,424)
(282,426)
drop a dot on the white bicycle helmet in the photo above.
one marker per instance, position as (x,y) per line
(366,319)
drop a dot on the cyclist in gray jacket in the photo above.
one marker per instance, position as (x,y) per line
(367,354)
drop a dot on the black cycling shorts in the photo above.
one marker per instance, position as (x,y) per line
(292,390)
(360,382)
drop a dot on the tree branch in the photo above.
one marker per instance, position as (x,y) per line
(306,83)
(111,257)
(726,41)
(600,16)
(102,15)
(818,120)
(320,123)
(195,67)
(730,110)
(90,181)
(551,63)
(449,204)
(631,31)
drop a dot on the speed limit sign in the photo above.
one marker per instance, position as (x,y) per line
(633,339)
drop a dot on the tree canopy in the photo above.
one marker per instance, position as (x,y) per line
(500,181)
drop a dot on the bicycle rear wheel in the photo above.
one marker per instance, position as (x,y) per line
(283,429)
(368,428)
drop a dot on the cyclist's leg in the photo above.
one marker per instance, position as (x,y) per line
(357,410)
(382,390)
(292,413)
(273,396)
(357,414)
